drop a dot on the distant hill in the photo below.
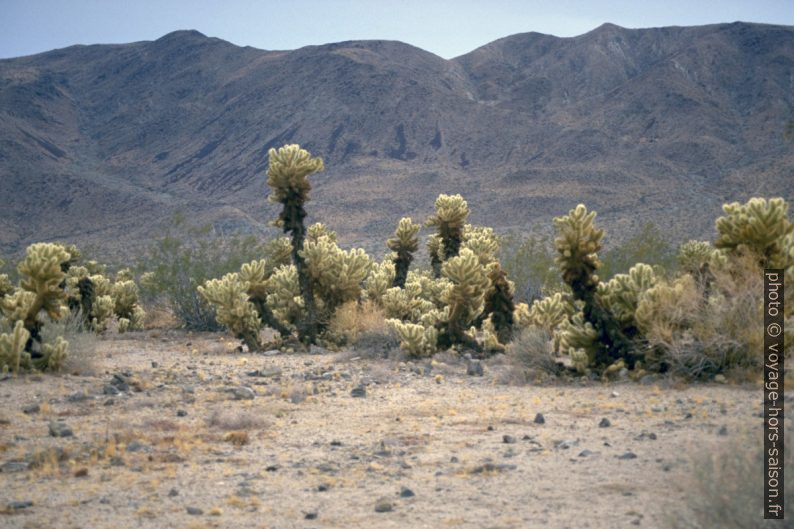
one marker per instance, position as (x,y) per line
(103,143)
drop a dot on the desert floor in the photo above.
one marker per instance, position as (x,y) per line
(180,430)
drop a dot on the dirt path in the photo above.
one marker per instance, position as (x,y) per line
(187,425)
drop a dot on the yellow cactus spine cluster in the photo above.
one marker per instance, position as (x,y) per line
(287,176)
(403,245)
(233,309)
(760,226)
(449,220)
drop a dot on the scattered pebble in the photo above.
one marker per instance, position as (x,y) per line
(723,430)
(60,429)
(311,515)
(383,505)
(194,511)
(31,408)
(508,439)
(19,505)
(627,455)
(604,423)
(181,413)
(405,492)
(359,392)
(585,453)
(474,368)
(242,393)
(173,492)
(540,419)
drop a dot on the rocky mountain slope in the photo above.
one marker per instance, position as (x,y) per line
(104,143)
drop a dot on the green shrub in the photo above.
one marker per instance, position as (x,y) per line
(648,246)
(180,261)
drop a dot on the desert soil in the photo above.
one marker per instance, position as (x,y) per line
(181,430)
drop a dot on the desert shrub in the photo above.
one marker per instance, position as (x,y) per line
(647,246)
(529,262)
(180,261)
(83,358)
(532,352)
(725,488)
(697,334)
(353,320)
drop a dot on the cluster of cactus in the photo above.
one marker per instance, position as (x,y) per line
(40,294)
(54,283)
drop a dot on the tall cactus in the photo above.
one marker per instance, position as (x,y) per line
(465,299)
(403,244)
(760,225)
(578,244)
(287,175)
(449,220)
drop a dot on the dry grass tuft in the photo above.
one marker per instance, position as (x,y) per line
(82,358)
(726,488)
(239,438)
(529,358)
(235,420)
(352,320)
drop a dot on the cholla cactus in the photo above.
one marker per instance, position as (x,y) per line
(482,241)
(124,293)
(667,307)
(335,275)
(256,277)
(546,313)
(40,290)
(466,298)
(415,339)
(622,293)
(12,348)
(406,303)
(579,339)
(694,256)
(577,246)
(317,230)
(436,251)
(403,244)
(381,277)
(287,175)
(499,304)
(450,217)
(759,225)
(233,309)
(284,297)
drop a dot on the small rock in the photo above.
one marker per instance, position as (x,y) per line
(155,365)
(81,473)
(627,455)
(474,368)
(194,511)
(454,459)
(322,487)
(565,444)
(109,402)
(723,430)
(31,408)
(19,505)
(614,394)
(272,352)
(540,419)
(604,423)
(336,442)
(135,446)
(181,413)
(650,379)
(110,389)
(60,429)
(188,389)
(242,393)
(405,492)
(585,453)
(311,515)
(14,466)
(720,379)
(359,392)
(688,416)
(173,492)
(508,439)
(383,505)
(77,397)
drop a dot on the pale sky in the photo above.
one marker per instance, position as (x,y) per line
(445,27)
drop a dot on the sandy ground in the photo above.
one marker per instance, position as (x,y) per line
(191,434)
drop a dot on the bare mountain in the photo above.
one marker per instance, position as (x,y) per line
(104,143)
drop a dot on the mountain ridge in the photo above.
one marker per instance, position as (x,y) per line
(664,122)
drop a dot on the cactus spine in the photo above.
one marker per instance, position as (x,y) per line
(578,244)
(287,175)
(403,244)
